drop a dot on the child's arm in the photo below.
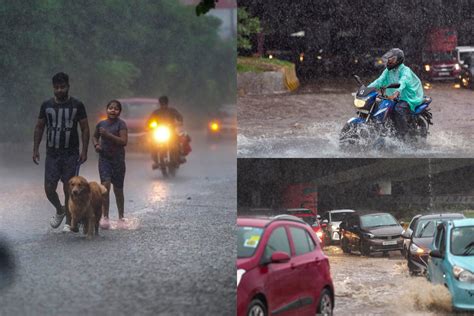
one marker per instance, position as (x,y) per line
(95,139)
(120,140)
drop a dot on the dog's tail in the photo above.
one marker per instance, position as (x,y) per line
(103,189)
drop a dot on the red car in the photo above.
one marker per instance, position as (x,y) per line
(308,216)
(281,268)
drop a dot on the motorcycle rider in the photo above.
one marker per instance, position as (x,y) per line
(410,93)
(165,113)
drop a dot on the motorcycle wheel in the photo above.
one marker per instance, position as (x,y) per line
(349,137)
(420,132)
(172,171)
(164,172)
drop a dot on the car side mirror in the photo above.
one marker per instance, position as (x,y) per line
(436,254)
(280,257)
(406,234)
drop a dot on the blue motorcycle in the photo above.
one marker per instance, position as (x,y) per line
(374,120)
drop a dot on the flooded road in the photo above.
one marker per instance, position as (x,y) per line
(307,123)
(380,285)
(162,262)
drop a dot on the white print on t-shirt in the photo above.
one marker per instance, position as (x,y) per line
(55,126)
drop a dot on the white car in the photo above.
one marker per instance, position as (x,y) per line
(330,224)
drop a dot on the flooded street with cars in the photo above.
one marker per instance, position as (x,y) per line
(307,123)
(381,285)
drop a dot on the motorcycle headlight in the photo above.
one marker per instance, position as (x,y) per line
(240,273)
(462,274)
(359,103)
(162,134)
(414,249)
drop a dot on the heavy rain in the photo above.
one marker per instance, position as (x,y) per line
(296,86)
(160,258)
(374,280)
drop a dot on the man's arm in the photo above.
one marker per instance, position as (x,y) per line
(38,135)
(85,135)
(380,81)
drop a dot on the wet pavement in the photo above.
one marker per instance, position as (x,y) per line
(379,285)
(307,123)
(176,255)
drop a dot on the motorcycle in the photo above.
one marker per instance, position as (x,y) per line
(374,120)
(165,142)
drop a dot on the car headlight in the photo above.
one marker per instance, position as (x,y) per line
(427,68)
(462,274)
(415,249)
(457,67)
(240,273)
(319,233)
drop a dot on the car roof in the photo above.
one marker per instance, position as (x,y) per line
(372,213)
(441,215)
(463,222)
(139,100)
(465,48)
(264,221)
(341,211)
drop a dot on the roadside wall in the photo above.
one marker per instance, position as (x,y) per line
(268,82)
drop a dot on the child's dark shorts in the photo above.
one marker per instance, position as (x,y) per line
(112,170)
(60,166)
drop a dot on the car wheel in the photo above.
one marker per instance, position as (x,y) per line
(257,308)
(345,246)
(364,249)
(325,303)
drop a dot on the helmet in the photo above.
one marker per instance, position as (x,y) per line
(399,58)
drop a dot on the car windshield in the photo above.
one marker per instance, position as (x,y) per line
(425,228)
(462,241)
(375,220)
(248,239)
(138,110)
(311,220)
(442,56)
(338,217)
(466,55)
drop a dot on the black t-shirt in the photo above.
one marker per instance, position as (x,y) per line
(61,124)
(168,115)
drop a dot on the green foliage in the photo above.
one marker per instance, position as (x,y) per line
(204,6)
(246,26)
(110,49)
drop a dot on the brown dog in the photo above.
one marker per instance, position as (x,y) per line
(85,204)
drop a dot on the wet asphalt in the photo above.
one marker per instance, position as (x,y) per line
(175,257)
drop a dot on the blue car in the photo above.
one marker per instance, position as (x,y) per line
(451,261)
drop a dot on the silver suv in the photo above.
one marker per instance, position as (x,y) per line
(330,224)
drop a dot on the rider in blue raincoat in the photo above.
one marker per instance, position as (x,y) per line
(409,94)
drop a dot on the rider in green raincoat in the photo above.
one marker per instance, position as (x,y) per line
(410,92)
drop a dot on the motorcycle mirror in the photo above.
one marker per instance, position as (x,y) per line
(357,78)
(393,85)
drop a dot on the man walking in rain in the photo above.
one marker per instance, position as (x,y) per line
(60,115)
(410,93)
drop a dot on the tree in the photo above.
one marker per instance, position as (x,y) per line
(247,26)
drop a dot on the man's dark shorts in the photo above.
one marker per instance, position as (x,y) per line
(112,170)
(60,166)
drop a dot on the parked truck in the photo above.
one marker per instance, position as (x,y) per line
(439,56)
